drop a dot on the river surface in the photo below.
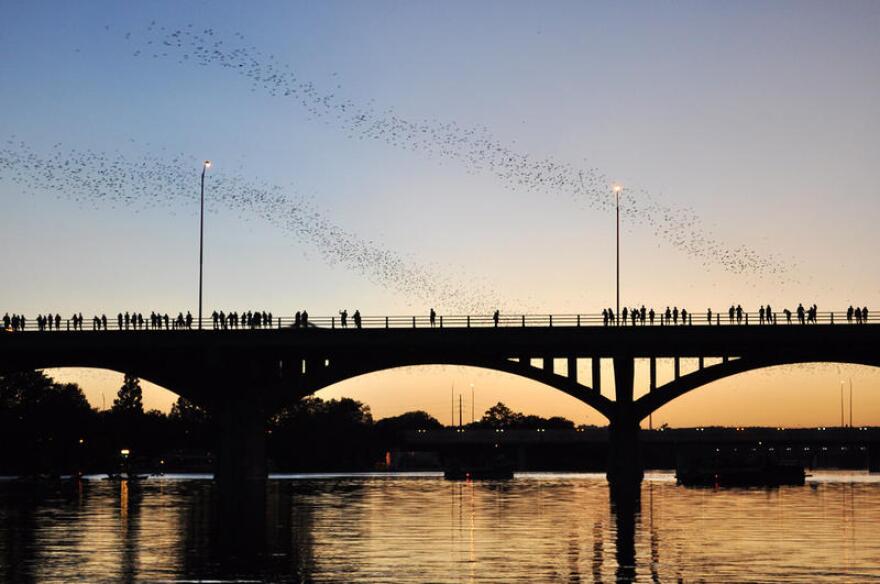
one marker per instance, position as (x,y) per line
(420,528)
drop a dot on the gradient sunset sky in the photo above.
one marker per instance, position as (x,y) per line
(745,135)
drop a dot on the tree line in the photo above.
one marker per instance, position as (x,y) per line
(50,429)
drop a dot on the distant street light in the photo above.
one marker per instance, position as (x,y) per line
(617,188)
(205,167)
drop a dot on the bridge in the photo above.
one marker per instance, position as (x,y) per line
(243,375)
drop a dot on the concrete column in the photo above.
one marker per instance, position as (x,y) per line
(240,470)
(677,366)
(874,457)
(653,384)
(548,364)
(623,380)
(241,444)
(573,368)
(624,452)
(596,362)
(624,469)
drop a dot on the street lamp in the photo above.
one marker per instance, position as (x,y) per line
(205,167)
(617,188)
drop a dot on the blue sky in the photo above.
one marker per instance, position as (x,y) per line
(758,119)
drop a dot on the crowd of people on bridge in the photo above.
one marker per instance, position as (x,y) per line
(860,315)
(735,315)
(234,320)
(221,320)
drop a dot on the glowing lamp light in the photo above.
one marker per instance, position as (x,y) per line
(207,164)
(617,188)
(125,452)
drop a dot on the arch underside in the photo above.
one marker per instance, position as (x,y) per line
(190,384)
(159,377)
(579,391)
(667,392)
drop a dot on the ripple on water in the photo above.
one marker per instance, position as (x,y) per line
(420,528)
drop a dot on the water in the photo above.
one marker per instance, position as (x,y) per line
(536,528)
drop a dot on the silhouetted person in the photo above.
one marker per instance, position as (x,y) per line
(357,318)
(651,316)
(739,314)
(58,321)
(709,316)
(343,318)
(849,314)
(189,319)
(667,316)
(297,319)
(642,313)
(634,316)
(684,316)
(611,316)
(730,313)
(787,314)
(432,316)
(604,317)
(624,315)
(495,317)
(675,315)
(305,319)
(865,314)
(800,313)
(761,315)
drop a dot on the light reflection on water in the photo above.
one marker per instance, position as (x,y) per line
(536,528)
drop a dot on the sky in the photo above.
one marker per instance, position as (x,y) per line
(394,156)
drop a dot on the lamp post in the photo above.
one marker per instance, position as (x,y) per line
(205,167)
(617,188)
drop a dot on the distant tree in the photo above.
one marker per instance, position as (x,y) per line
(41,423)
(186,412)
(338,434)
(389,431)
(129,398)
(559,423)
(416,420)
(500,416)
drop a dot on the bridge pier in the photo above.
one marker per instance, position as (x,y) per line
(240,469)
(241,443)
(624,470)
(874,457)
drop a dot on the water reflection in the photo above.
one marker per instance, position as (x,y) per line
(548,528)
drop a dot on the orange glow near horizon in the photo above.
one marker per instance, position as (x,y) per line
(786,396)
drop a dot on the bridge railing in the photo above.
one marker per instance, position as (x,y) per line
(439,322)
